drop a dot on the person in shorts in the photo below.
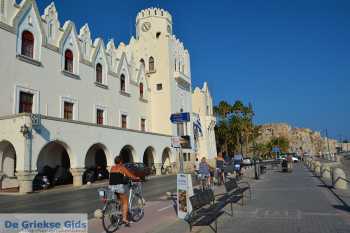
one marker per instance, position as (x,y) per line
(119,183)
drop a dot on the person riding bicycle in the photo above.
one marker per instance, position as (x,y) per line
(220,168)
(119,183)
(204,169)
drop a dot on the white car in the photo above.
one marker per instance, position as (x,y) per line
(246,161)
(295,159)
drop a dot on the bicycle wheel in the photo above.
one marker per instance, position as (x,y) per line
(137,209)
(112,217)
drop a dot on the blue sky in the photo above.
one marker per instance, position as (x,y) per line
(291,59)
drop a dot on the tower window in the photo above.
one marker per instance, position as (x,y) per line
(99,73)
(159,86)
(122,83)
(175,64)
(27,44)
(25,102)
(143,124)
(141,90)
(158,35)
(99,116)
(124,121)
(151,64)
(68,111)
(68,61)
(50,30)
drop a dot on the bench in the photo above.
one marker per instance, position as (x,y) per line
(205,211)
(231,196)
(233,189)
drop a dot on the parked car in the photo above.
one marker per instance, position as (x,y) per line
(139,169)
(247,161)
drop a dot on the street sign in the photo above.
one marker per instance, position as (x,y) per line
(276,149)
(175,142)
(180,117)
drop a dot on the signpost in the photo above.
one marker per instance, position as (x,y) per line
(184,181)
(180,117)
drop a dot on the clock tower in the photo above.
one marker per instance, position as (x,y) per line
(153,22)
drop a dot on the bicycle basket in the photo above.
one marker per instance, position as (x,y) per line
(105,194)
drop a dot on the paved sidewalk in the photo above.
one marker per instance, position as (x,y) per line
(294,202)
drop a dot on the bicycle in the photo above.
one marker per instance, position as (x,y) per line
(204,183)
(112,216)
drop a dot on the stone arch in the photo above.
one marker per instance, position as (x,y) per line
(97,155)
(166,157)
(149,156)
(55,157)
(96,162)
(128,154)
(8,164)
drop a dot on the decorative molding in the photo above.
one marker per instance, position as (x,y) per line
(82,123)
(51,47)
(28,60)
(7,27)
(71,75)
(151,72)
(101,85)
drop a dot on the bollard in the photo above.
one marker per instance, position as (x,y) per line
(317,168)
(326,171)
(337,179)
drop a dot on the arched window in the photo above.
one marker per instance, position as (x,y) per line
(141,90)
(50,30)
(142,62)
(68,61)
(122,83)
(27,44)
(151,64)
(99,73)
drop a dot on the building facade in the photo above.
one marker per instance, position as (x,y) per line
(68,100)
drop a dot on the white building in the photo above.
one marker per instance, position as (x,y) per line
(95,101)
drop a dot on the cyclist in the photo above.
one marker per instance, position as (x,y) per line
(220,168)
(119,183)
(204,170)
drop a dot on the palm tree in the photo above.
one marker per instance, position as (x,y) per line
(222,112)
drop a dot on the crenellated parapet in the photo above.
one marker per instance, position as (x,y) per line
(154,12)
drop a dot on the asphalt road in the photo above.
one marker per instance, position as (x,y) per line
(77,200)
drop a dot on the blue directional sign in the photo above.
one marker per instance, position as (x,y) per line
(276,149)
(180,117)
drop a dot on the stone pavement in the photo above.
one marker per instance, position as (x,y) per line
(294,202)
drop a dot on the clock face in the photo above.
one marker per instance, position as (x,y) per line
(146,26)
